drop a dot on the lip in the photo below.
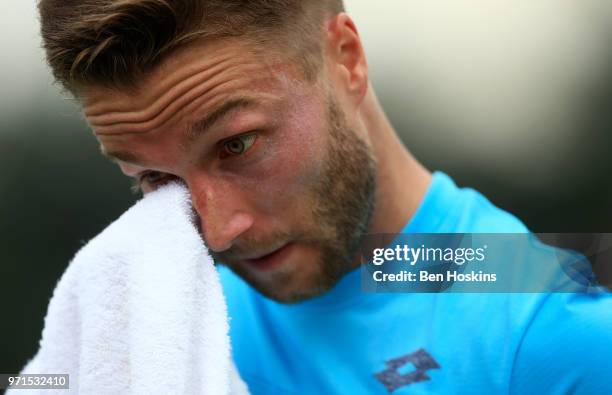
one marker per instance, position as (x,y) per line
(272,260)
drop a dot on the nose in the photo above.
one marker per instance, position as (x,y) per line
(222,213)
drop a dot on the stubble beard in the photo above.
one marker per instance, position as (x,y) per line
(341,212)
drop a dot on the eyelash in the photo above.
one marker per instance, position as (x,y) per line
(137,183)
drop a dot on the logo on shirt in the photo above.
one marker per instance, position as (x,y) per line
(392,378)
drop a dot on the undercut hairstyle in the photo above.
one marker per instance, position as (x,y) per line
(114,42)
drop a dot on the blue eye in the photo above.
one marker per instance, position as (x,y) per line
(239,145)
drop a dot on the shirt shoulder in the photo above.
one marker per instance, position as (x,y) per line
(448,208)
(479,215)
(567,346)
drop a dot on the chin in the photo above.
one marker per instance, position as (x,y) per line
(291,296)
(289,286)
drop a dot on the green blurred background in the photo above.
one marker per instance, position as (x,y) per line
(512,97)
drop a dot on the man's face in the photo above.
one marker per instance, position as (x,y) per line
(281,178)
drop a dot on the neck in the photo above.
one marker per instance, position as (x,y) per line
(401,181)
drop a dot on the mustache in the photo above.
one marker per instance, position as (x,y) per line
(246,247)
(249,248)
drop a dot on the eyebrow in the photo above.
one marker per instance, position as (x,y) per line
(201,126)
(193,131)
(119,155)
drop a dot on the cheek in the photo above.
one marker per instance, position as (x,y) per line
(293,157)
(293,166)
(305,141)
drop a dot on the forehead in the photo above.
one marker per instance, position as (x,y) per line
(149,125)
(202,74)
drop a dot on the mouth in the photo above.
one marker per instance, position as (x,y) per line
(272,260)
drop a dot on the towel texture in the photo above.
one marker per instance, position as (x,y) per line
(140,309)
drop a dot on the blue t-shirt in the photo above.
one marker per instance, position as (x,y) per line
(350,342)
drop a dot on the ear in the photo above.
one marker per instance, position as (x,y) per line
(347,57)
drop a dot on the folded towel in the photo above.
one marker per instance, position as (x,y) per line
(140,309)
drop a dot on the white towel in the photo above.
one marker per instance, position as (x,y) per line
(140,310)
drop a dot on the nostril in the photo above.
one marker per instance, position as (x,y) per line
(212,236)
(216,244)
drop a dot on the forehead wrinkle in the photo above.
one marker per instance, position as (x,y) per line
(184,91)
(177,110)
(96,105)
(104,108)
(185,62)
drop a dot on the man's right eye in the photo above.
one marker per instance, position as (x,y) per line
(152,177)
(149,181)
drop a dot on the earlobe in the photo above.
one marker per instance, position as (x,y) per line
(348,55)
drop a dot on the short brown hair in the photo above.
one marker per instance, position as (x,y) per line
(113,42)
